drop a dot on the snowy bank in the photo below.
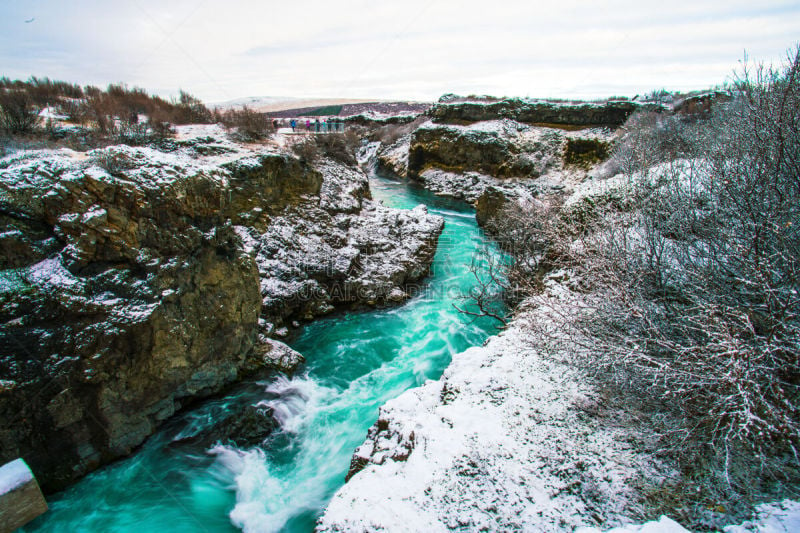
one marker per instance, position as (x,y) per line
(510,438)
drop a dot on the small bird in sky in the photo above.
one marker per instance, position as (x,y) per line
(30,20)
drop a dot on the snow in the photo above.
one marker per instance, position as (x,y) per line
(508,439)
(663,525)
(14,475)
(499,127)
(596,187)
(778,517)
(52,113)
(194,131)
(51,272)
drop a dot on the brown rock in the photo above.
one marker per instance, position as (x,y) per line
(20,498)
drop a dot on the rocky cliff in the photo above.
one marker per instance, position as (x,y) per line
(488,163)
(136,279)
(501,148)
(611,113)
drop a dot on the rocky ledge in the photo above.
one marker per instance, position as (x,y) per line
(611,113)
(489,163)
(134,280)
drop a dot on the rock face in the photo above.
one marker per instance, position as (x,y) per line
(501,148)
(582,114)
(392,161)
(341,249)
(134,294)
(489,163)
(489,150)
(126,287)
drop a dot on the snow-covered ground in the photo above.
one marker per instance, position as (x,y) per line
(510,438)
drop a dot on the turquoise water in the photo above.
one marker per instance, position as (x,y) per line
(355,363)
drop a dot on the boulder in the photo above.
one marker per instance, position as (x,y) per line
(489,204)
(20,498)
(246,427)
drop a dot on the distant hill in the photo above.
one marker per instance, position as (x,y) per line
(271,104)
(345,109)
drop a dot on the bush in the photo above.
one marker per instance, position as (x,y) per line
(339,147)
(307,149)
(17,111)
(249,124)
(690,283)
(713,255)
(190,110)
(114,162)
(114,113)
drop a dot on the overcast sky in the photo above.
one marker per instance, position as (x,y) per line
(408,49)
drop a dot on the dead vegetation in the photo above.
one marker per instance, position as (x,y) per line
(88,117)
(339,147)
(690,276)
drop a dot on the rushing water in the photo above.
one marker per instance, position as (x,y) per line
(355,363)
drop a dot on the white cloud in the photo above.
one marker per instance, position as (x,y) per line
(414,49)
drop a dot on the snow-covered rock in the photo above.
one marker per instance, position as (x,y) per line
(500,148)
(393,159)
(20,498)
(132,278)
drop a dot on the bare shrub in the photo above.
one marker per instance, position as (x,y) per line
(189,110)
(714,250)
(249,125)
(338,147)
(159,124)
(306,149)
(690,283)
(18,114)
(703,309)
(114,162)
(653,138)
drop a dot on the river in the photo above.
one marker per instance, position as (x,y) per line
(355,362)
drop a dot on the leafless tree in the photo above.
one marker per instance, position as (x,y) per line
(18,114)
(706,312)
(691,278)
